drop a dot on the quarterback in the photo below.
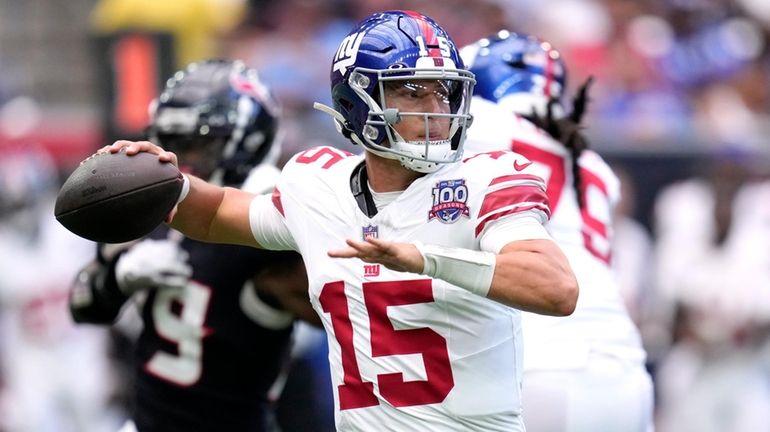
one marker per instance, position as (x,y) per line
(419,261)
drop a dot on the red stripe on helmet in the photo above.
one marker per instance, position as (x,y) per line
(427,33)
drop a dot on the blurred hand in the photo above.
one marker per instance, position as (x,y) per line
(402,257)
(153,264)
(133,147)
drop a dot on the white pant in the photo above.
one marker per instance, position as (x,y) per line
(609,394)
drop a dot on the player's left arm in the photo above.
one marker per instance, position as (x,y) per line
(535,276)
(532,275)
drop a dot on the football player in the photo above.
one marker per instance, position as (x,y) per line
(414,255)
(217,318)
(584,372)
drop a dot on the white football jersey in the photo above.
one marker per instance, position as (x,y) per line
(600,321)
(408,352)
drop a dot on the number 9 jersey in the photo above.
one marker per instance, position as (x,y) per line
(408,352)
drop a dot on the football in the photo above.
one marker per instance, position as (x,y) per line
(115,198)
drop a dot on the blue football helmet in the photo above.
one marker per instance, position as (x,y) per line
(519,71)
(408,52)
(219,118)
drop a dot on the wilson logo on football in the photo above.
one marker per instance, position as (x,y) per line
(449,198)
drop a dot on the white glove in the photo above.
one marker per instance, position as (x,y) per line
(153,264)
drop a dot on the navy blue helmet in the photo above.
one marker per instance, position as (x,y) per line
(399,49)
(521,71)
(219,118)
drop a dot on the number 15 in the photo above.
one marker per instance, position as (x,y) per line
(443,46)
(387,341)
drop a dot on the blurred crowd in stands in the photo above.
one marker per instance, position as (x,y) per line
(671,75)
(681,104)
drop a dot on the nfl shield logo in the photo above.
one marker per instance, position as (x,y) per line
(370,231)
(449,198)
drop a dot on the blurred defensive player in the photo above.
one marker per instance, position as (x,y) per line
(217,319)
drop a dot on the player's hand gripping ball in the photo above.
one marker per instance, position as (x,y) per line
(114,198)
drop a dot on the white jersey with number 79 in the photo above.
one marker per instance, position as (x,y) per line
(600,322)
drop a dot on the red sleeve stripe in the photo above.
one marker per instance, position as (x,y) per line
(277,201)
(517,209)
(512,196)
(512,199)
(516,178)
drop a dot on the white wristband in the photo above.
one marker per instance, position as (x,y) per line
(465,268)
(185,189)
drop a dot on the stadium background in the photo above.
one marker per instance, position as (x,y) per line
(682,91)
